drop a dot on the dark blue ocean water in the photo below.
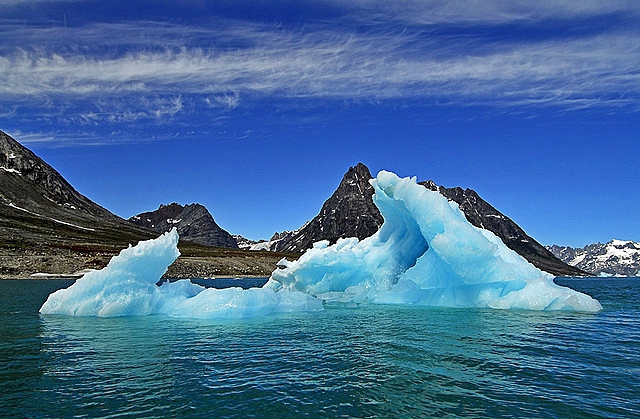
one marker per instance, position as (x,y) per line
(369,361)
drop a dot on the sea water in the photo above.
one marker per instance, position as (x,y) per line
(362,361)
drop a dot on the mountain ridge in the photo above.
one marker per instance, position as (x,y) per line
(483,215)
(48,228)
(38,206)
(40,210)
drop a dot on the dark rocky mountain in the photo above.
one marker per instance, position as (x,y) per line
(350,212)
(615,258)
(38,207)
(42,215)
(193,222)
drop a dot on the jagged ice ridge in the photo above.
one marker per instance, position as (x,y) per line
(425,253)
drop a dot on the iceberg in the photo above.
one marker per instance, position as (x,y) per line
(127,286)
(425,253)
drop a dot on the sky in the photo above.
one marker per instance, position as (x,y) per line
(256,109)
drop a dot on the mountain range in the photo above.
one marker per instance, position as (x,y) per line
(350,212)
(40,212)
(38,207)
(48,228)
(615,258)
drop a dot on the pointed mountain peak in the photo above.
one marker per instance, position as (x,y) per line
(349,212)
(359,171)
(355,182)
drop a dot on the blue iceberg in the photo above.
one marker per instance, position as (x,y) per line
(127,287)
(425,253)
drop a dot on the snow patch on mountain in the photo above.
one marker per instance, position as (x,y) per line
(271,245)
(6,169)
(615,258)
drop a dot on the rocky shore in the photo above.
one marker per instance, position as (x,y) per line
(201,263)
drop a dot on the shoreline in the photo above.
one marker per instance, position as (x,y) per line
(72,266)
(56,277)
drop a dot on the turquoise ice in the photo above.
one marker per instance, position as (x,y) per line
(127,287)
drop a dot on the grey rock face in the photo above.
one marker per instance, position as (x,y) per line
(193,222)
(26,179)
(39,208)
(349,212)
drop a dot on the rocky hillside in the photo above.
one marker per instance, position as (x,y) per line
(615,258)
(193,222)
(39,208)
(350,212)
(49,228)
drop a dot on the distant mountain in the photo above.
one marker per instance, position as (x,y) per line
(38,207)
(350,212)
(245,243)
(40,210)
(615,258)
(270,245)
(193,222)
(49,228)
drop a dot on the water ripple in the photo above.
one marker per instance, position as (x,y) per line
(372,361)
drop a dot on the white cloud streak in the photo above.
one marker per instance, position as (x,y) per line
(168,64)
(345,67)
(487,12)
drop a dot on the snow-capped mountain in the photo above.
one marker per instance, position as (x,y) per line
(615,258)
(271,245)
(243,242)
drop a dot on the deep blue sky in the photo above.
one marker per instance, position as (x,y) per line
(257,108)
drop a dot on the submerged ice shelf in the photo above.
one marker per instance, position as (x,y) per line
(425,253)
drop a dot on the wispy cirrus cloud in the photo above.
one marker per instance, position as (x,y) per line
(489,12)
(416,51)
(357,67)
